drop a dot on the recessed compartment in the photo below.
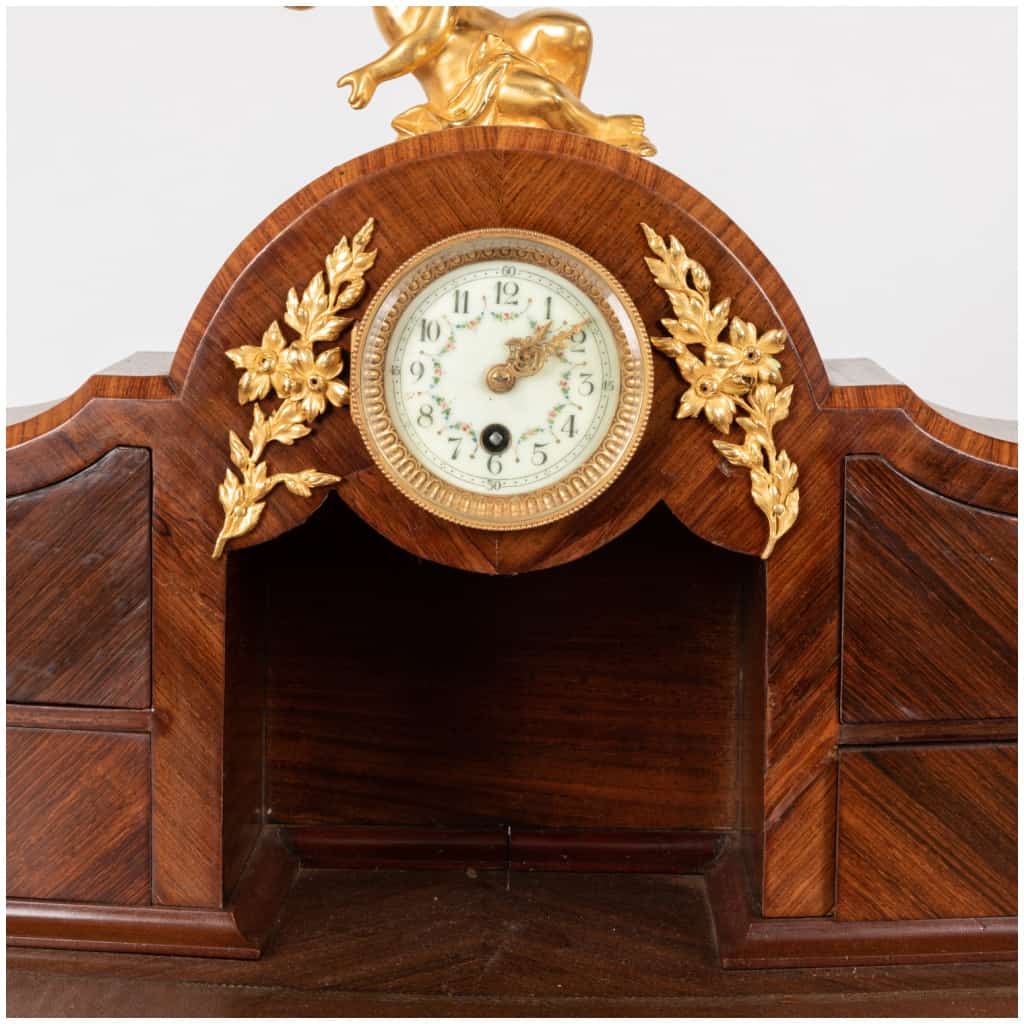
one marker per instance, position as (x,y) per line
(602,694)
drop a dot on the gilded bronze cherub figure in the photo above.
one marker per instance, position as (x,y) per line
(478,67)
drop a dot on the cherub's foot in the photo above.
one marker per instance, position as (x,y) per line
(627,131)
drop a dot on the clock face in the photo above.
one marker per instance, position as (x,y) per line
(501,379)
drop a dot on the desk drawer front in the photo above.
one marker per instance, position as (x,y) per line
(78,808)
(929,603)
(78,587)
(927,831)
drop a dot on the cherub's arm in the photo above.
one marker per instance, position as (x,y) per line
(425,41)
(412,51)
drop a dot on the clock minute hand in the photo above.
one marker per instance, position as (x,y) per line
(556,344)
(527,356)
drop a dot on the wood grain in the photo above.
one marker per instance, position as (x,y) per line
(505,849)
(859,373)
(927,832)
(645,852)
(142,375)
(244,801)
(170,931)
(237,931)
(78,580)
(442,943)
(78,816)
(61,716)
(403,848)
(947,731)
(747,940)
(914,557)
(458,699)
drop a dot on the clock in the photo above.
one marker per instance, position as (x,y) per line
(501,378)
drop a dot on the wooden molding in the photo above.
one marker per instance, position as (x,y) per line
(237,930)
(61,716)
(746,940)
(616,851)
(869,734)
(130,378)
(181,931)
(605,850)
(406,848)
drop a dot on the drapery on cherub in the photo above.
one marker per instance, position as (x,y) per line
(480,68)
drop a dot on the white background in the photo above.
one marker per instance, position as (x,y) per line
(871,154)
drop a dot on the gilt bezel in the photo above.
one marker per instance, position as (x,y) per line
(581,485)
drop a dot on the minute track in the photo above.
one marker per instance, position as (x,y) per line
(573,412)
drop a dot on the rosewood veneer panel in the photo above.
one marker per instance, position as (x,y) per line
(927,832)
(78,587)
(78,816)
(598,694)
(930,615)
(244,717)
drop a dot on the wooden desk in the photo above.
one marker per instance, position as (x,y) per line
(828,736)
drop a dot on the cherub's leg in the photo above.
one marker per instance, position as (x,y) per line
(525,94)
(558,41)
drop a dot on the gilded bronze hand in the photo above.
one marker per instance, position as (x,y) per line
(363,84)
(527,356)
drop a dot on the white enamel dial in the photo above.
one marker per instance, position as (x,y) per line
(547,424)
(501,379)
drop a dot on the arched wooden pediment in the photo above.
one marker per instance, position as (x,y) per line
(426,189)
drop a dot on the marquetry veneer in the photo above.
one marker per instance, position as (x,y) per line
(929,603)
(945,817)
(78,580)
(827,735)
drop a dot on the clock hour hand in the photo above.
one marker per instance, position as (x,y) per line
(527,356)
